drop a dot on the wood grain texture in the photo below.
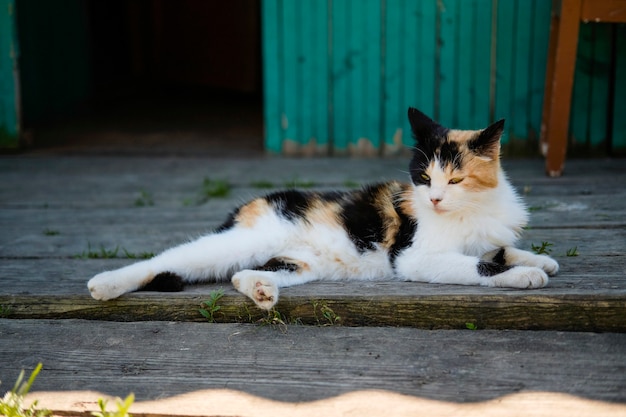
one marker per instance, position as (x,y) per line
(304,363)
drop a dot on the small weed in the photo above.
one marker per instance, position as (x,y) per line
(51,232)
(11,405)
(298,183)
(330,318)
(543,249)
(122,407)
(262,184)
(210,189)
(351,184)
(273,318)
(140,255)
(5,311)
(211,306)
(103,253)
(471,326)
(572,251)
(145,199)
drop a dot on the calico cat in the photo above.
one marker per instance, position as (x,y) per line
(455,223)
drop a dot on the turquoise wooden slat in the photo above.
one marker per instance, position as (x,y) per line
(448,63)
(518,116)
(579,115)
(292,77)
(272,74)
(394,51)
(618,142)
(538,60)
(9,123)
(341,67)
(369,138)
(481,65)
(315,56)
(356,76)
(504,63)
(599,94)
(420,67)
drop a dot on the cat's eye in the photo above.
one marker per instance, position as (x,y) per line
(455,180)
(425,177)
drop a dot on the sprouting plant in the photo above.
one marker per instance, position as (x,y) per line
(543,249)
(5,311)
(12,404)
(103,253)
(273,317)
(144,199)
(122,407)
(471,326)
(572,251)
(329,316)
(262,184)
(140,255)
(51,232)
(211,306)
(350,184)
(298,183)
(210,189)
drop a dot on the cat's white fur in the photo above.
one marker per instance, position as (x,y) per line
(452,236)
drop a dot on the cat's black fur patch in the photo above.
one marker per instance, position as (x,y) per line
(361,218)
(489,269)
(278,264)
(165,282)
(291,204)
(229,223)
(405,234)
(500,257)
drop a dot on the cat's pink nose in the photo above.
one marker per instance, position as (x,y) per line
(435,201)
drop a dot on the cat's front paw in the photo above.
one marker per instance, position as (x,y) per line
(549,265)
(520,277)
(263,291)
(106,286)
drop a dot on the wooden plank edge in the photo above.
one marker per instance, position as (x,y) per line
(572,312)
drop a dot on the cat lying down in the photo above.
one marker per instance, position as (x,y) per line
(456,222)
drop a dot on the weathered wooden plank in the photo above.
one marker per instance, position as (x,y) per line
(159,359)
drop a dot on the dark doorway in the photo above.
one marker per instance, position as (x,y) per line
(142,76)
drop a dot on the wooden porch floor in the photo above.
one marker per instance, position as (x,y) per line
(395,347)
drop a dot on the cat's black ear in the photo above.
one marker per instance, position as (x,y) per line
(423,127)
(487,143)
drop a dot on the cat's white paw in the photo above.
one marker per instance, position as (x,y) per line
(549,265)
(259,288)
(520,277)
(106,286)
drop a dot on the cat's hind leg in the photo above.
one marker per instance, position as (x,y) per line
(212,257)
(513,256)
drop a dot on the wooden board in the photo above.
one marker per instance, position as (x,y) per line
(301,363)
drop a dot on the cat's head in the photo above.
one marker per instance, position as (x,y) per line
(450,167)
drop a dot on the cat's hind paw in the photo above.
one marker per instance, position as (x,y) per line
(523,277)
(262,290)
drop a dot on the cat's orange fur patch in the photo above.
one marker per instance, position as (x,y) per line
(250,213)
(323,212)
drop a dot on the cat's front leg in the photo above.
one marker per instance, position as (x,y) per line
(456,268)
(513,256)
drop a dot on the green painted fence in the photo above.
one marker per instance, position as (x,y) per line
(340,74)
(9,117)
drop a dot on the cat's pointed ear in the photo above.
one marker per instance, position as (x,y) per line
(487,143)
(423,127)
